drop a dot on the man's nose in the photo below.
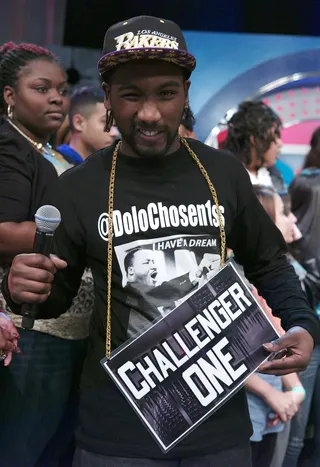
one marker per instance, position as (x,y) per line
(149,113)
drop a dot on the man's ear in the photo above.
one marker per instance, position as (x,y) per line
(106,89)
(187,85)
(78,122)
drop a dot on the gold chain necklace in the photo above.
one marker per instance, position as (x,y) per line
(110,228)
(44,149)
(39,146)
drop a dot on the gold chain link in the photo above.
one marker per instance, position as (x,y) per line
(110,228)
(215,199)
(110,246)
(39,146)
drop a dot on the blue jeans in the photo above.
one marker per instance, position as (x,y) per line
(37,390)
(239,456)
(281,446)
(309,379)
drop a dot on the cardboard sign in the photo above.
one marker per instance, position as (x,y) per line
(190,362)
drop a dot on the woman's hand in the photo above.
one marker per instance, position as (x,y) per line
(8,338)
(282,403)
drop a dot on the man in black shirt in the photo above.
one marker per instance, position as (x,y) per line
(158,194)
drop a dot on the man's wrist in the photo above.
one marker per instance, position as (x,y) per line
(313,332)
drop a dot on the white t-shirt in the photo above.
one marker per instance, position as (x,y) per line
(262,177)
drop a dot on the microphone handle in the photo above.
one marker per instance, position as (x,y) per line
(42,244)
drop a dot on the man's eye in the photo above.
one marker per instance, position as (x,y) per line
(167,94)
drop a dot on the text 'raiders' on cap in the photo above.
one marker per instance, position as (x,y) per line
(144,38)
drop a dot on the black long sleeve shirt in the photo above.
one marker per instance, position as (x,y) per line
(165,224)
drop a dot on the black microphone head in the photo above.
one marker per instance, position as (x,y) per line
(47,219)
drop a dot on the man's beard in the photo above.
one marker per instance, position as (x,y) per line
(150,152)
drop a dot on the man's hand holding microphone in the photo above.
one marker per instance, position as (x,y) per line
(31,275)
(30,280)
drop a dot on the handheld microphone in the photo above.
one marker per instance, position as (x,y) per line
(47,219)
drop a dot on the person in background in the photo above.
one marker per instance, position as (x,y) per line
(41,383)
(254,137)
(272,400)
(305,198)
(280,169)
(87,119)
(186,128)
(312,159)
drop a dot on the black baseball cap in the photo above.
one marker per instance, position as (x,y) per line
(144,38)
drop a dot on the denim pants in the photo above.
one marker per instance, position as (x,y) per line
(38,389)
(239,456)
(281,446)
(309,378)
